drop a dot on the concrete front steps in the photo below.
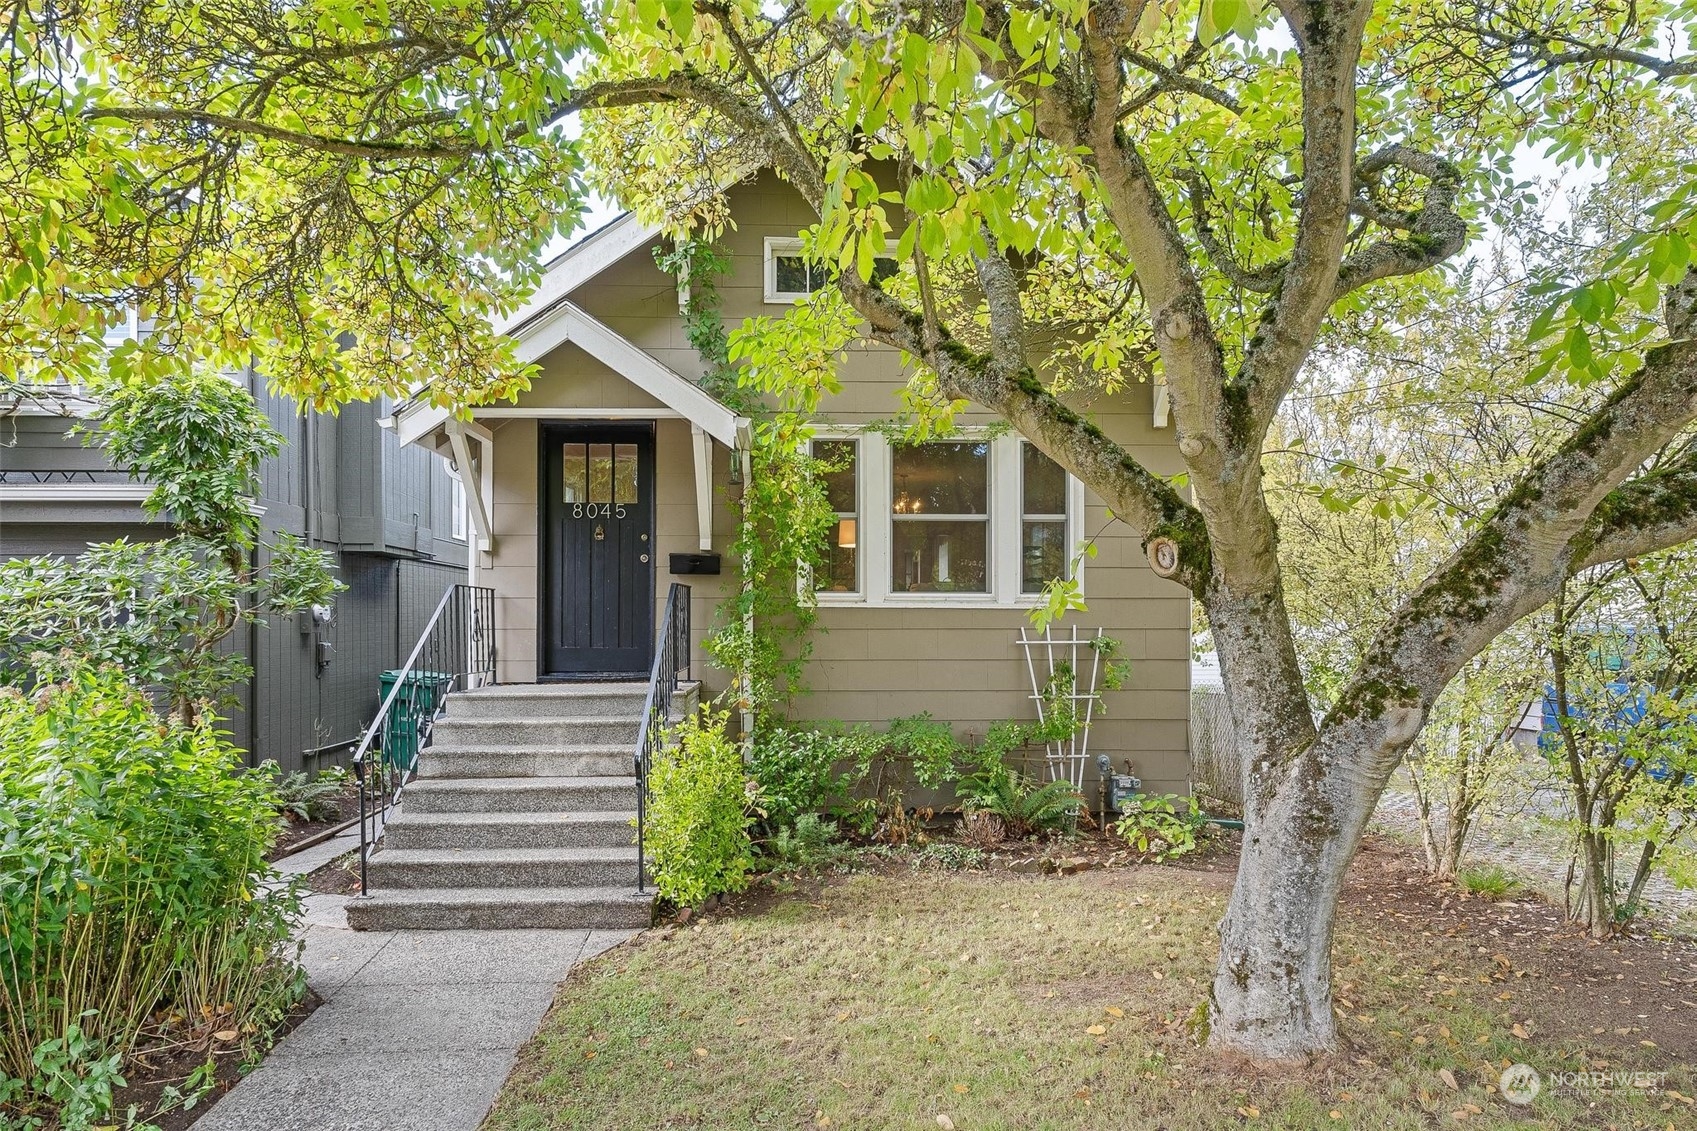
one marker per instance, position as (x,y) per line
(521,815)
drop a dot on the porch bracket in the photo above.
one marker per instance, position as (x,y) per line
(703,484)
(475,476)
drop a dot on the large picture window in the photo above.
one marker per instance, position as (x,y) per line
(839,566)
(940,518)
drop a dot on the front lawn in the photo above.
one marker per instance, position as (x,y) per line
(1002,1000)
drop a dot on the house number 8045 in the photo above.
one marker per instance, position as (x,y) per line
(602,510)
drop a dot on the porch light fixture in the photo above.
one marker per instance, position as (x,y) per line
(846,533)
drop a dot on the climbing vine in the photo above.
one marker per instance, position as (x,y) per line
(774,371)
(697,265)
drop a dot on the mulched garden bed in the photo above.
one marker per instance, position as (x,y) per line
(1614,992)
(170,1063)
(295,833)
(339,877)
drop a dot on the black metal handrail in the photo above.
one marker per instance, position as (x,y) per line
(455,651)
(671,657)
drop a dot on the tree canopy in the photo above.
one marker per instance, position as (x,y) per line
(1219,195)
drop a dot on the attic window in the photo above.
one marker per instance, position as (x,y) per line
(791,276)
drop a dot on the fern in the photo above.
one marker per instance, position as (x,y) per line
(1023,805)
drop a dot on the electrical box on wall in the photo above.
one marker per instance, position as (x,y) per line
(707,563)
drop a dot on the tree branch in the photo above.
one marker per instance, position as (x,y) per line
(1170,79)
(1435,230)
(1653,512)
(1328,40)
(1261,280)
(370,149)
(1569,511)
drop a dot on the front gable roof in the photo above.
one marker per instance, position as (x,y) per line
(547,320)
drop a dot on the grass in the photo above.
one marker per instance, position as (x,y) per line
(1489,880)
(1003,1001)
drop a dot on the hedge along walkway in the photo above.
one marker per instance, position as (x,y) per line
(418,1028)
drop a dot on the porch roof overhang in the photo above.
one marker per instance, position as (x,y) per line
(548,320)
(552,327)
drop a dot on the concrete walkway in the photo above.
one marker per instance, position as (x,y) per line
(417,1032)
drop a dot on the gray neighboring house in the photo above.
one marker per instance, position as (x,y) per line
(393,517)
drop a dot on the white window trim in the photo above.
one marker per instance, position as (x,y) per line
(780,246)
(875,535)
(787,246)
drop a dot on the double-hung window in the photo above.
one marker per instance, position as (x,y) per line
(973,520)
(940,518)
(839,565)
(1043,544)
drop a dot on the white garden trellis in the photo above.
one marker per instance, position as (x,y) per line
(1058,659)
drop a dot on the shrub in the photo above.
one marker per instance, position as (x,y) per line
(1162,826)
(698,813)
(131,890)
(810,846)
(797,769)
(304,797)
(928,745)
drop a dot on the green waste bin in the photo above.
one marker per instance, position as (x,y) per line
(414,703)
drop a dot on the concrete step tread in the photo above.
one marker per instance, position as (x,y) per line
(553,690)
(506,895)
(538,817)
(526,784)
(626,748)
(550,720)
(397,857)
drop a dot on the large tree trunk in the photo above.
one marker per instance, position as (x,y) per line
(1272,994)
(1307,798)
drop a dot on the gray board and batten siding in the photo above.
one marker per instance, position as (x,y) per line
(386,513)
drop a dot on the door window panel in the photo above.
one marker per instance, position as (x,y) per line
(575,457)
(600,473)
(624,473)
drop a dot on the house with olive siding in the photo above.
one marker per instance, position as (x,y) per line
(609,479)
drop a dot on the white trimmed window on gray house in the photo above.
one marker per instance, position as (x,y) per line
(791,276)
(975,520)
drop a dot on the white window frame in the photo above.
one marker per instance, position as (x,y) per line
(1071,520)
(787,246)
(858,593)
(777,246)
(875,535)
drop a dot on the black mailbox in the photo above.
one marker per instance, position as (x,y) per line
(695,563)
